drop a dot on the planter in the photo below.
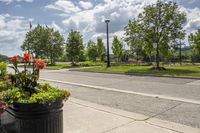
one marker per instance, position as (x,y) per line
(34,118)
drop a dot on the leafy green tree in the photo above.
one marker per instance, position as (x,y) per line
(101,50)
(125,55)
(44,42)
(194,40)
(156,28)
(55,47)
(135,41)
(117,48)
(92,51)
(74,46)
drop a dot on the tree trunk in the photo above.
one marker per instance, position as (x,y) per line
(72,61)
(102,58)
(51,58)
(157,57)
(137,57)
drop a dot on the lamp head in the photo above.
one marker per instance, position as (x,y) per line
(107,20)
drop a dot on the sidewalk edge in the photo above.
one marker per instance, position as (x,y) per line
(138,117)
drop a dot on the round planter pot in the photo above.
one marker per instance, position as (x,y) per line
(38,118)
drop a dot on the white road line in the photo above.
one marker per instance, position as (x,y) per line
(125,91)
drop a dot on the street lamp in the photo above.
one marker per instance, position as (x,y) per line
(108,57)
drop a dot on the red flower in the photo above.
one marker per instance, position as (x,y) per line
(27,57)
(15,59)
(41,64)
(36,62)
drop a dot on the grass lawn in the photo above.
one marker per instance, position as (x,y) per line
(61,65)
(174,71)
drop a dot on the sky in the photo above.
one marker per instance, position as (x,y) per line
(86,16)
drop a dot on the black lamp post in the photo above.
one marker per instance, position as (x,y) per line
(108,57)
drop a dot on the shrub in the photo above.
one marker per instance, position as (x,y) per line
(47,95)
(3,69)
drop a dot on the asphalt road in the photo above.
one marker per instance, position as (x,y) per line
(166,109)
(172,87)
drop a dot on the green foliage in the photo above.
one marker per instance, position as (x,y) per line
(117,48)
(135,41)
(158,26)
(13,95)
(55,49)
(89,63)
(125,55)
(92,51)
(46,95)
(194,40)
(74,46)
(3,69)
(44,42)
(101,50)
(3,86)
(83,55)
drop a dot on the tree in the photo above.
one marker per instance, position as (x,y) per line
(101,50)
(117,48)
(74,46)
(44,42)
(92,51)
(125,55)
(134,40)
(156,28)
(55,47)
(194,40)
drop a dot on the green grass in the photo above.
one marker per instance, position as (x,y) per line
(174,71)
(61,65)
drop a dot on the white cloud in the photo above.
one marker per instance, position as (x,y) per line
(18,6)
(10,1)
(56,27)
(13,30)
(85,5)
(193,22)
(91,22)
(6,1)
(65,6)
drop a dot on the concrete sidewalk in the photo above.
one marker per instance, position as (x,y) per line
(85,117)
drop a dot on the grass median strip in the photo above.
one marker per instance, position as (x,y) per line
(173,71)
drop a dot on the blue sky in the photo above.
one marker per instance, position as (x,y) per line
(86,16)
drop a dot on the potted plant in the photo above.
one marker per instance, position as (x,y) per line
(33,107)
